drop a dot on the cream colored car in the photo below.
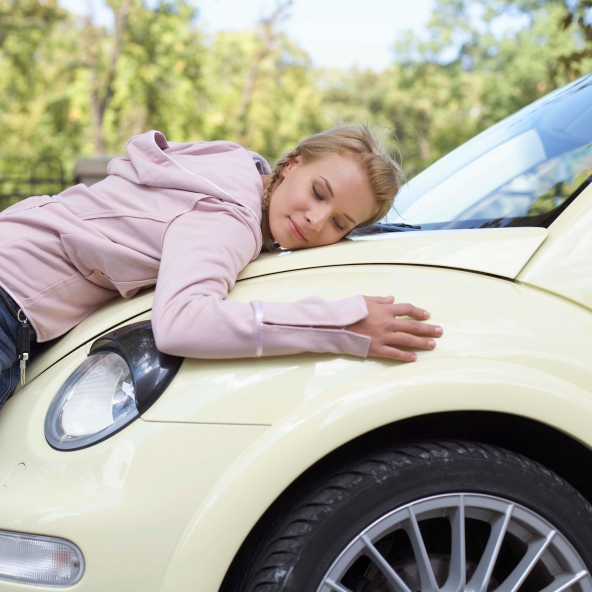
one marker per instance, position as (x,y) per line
(127,470)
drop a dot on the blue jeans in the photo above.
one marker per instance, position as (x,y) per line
(9,363)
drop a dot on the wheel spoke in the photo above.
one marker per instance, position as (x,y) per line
(487,562)
(526,565)
(458,568)
(426,573)
(497,519)
(565,581)
(393,579)
(336,587)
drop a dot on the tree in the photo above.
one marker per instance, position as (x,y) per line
(161,83)
(70,88)
(269,35)
(260,89)
(102,64)
(36,81)
(467,73)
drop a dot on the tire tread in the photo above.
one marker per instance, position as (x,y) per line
(275,559)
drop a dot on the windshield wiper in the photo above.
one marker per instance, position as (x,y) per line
(394,226)
(382,228)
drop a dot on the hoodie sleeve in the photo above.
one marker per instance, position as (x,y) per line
(191,317)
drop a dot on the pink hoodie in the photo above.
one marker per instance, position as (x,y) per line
(187,215)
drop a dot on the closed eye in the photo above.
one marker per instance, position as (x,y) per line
(317,194)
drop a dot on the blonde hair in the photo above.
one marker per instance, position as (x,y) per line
(355,141)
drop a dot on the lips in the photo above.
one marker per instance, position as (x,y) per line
(295,229)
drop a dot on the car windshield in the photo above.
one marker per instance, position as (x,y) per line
(523,171)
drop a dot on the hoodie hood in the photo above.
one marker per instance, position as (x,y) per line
(226,170)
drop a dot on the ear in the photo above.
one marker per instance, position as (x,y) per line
(294,161)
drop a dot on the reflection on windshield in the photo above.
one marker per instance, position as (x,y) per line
(522,171)
(537,191)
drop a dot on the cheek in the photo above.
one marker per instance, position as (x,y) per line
(328,236)
(287,199)
(278,212)
(272,216)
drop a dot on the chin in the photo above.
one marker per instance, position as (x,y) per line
(283,238)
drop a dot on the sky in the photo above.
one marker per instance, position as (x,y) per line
(335,33)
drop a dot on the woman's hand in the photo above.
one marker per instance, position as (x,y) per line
(387,332)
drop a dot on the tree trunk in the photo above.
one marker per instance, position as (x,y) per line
(270,34)
(102,87)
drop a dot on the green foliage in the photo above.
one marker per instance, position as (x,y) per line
(70,88)
(463,75)
(159,83)
(277,110)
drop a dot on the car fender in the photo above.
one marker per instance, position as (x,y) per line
(294,443)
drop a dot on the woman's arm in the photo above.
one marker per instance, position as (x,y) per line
(203,252)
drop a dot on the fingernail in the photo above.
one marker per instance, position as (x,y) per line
(438,330)
(432,343)
(413,357)
(426,314)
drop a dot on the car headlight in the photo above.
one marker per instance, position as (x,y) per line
(122,377)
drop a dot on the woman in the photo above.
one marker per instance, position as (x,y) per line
(189,217)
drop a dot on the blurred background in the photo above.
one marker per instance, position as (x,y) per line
(79,78)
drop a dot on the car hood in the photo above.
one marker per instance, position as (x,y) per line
(496,251)
(502,252)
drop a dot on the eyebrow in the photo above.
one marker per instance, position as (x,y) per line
(331,192)
(328,185)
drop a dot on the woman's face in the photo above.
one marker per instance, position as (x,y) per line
(318,203)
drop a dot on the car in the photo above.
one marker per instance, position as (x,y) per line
(125,469)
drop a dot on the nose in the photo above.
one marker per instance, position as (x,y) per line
(317,217)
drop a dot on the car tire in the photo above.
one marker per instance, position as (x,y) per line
(369,525)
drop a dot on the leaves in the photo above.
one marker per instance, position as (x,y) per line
(70,88)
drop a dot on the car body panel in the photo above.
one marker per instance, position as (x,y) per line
(497,251)
(564,264)
(502,252)
(509,317)
(190,494)
(192,476)
(149,477)
(272,462)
